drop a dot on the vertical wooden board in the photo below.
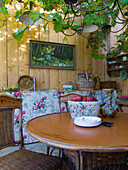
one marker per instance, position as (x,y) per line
(113,37)
(3,63)
(34,32)
(54,79)
(54,73)
(44,73)
(12,53)
(102,67)
(79,54)
(71,73)
(63,77)
(87,57)
(63,74)
(125,85)
(23,52)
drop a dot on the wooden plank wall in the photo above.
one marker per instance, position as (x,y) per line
(14,58)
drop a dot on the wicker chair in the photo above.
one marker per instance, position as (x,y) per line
(21,159)
(96,160)
(121,102)
(65,97)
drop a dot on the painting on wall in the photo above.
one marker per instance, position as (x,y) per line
(51,55)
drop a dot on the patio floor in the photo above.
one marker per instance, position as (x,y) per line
(37,147)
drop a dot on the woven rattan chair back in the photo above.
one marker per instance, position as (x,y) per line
(8,105)
(121,102)
(65,97)
(22,158)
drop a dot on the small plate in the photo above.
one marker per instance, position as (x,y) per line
(87,121)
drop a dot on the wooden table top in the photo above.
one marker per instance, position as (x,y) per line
(60,131)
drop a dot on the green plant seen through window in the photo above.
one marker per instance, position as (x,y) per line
(48,50)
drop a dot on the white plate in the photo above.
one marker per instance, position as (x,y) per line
(87,121)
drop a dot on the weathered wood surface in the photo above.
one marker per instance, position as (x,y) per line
(14,59)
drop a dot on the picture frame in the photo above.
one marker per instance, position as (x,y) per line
(51,55)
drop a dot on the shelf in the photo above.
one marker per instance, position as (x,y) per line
(118,69)
(116,64)
(117,56)
(119,62)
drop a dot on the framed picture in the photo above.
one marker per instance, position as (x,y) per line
(51,55)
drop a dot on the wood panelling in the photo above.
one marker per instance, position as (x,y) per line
(44,74)
(14,58)
(12,53)
(3,56)
(23,52)
(63,73)
(54,73)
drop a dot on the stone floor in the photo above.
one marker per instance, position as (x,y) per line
(37,147)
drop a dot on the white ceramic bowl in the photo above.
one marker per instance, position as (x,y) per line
(84,108)
(87,121)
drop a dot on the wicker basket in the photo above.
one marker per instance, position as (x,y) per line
(85,84)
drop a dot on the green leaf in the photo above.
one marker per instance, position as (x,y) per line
(89,20)
(2,3)
(1,25)
(113,23)
(4,11)
(102,45)
(19,34)
(65,26)
(46,16)
(57,26)
(34,15)
(45,26)
(64,39)
(57,17)
(124,2)
(17,15)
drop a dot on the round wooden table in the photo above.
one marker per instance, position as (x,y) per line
(59,130)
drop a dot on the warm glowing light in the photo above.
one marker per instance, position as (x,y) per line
(23,45)
(20,58)
(10,18)
(41,10)
(19,6)
(35,8)
(15,30)
(22,49)
(33,26)
(1,39)
(37,33)
(9,35)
